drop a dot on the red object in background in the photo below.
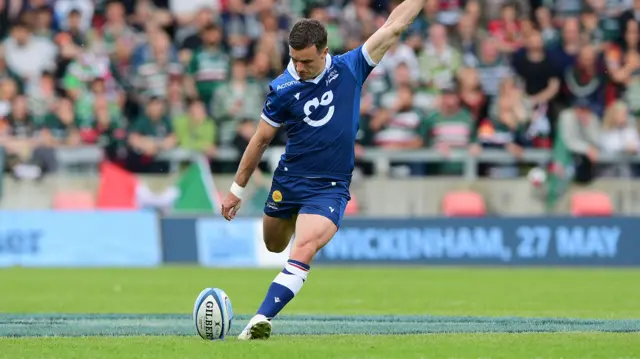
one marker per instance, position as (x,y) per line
(507,32)
(117,189)
(98,21)
(613,54)
(4,125)
(353,207)
(591,204)
(446,5)
(542,142)
(89,135)
(224,5)
(73,201)
(463,203)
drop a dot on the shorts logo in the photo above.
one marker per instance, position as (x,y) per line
(277,196)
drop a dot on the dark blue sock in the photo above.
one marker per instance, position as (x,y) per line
(283,288)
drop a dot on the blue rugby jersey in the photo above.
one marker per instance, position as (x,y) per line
(321,116)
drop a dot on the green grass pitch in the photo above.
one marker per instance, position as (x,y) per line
(342,312)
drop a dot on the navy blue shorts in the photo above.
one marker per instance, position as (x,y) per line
(291,195)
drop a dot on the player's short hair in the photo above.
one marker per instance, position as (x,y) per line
(306,33)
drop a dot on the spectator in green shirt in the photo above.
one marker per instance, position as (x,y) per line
(209,65)
(396,127)
(17,137)
(74,28)
(106,129)
(238,98)
(450,127)
(195,131)
(155,65)
(43,97)
(439,61)
(85,105)
(79,74)
(60,128)
(149,135)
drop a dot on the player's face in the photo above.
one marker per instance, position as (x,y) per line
(309,62)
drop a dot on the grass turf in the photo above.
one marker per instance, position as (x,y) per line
(508,346)
(561,293)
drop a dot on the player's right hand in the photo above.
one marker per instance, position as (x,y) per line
(230,206)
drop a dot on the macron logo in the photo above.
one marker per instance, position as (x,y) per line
(297,96)
(331,208)
(285,85)
(277,300)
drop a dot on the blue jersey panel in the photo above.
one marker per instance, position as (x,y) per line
(321,116)
(359,62)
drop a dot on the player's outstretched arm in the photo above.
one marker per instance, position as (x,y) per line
(397,22)
(250,160)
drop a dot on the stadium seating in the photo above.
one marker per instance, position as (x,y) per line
(73,200)
(463,203)
(591,204)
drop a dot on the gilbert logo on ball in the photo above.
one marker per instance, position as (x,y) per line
(209,321)
(212,314)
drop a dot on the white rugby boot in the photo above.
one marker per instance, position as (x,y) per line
(259,327)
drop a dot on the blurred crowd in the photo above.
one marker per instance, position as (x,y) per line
(138,77)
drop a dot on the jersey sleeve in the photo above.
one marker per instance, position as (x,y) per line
(359,62)
(272,111)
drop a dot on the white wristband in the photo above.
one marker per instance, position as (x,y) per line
(237,190)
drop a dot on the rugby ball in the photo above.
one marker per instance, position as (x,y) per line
(212,314)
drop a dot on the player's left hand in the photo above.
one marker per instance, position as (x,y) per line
(230,206)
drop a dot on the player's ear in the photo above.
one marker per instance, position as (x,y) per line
(325,51)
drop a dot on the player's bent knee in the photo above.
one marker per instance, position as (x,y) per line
(276,246)
(277,233)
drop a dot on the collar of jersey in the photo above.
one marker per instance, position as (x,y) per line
(292,71)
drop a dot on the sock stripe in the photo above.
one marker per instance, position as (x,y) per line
(300,265)
(295,271)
